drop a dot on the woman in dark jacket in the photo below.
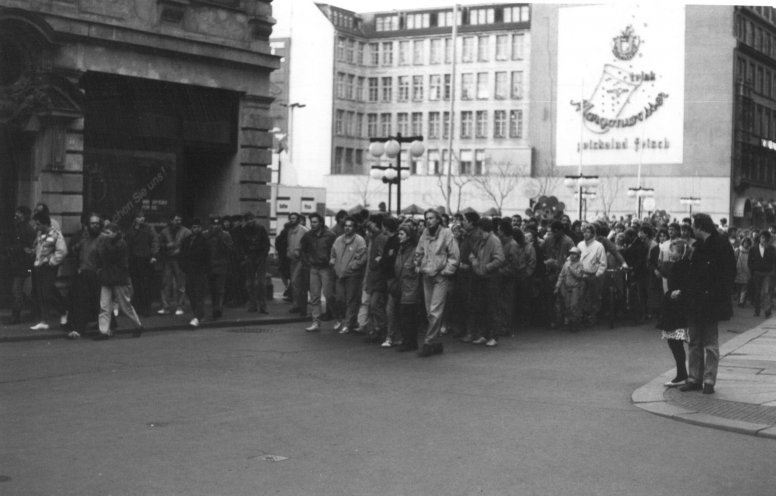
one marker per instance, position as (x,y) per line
(673,323)
(113,273)
(407,282)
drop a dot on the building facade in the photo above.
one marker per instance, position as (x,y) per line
(124,105)
(391,73)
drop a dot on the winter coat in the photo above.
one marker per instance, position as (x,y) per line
(221,247)
(86,249)
(195,255)
(142,242)
(405,275)
(526,261)
(490,257)
(170,242)
(570,276)
(348,256)
(316,247)
(255,241)
(556,251)
(295,234)
(712,272)
(50,248)
(764,262)
(674,314)
(19,261)
(113,265)
(376,278)
(437,254)
(511,257)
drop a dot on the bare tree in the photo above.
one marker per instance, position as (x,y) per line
(499,181)
(609,189)
(362,185)
(457,184)
(549,180)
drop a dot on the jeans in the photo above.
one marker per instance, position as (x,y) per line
(256,282)
(196,288)
(17,291)
(84,300)
(392,315)
(761,291)
(300,280)
(378,321)
(46,293)
(348,294)
(408,322)
(173,285)
(321,281)
(704,352)
(217,284)
(591,297)
(142,271)
(121,294)
(435,294)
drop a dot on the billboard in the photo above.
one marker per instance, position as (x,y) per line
(620,84)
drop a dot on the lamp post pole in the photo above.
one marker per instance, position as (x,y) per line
(391,147)
(289,144)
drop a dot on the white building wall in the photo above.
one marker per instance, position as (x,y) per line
(311,84)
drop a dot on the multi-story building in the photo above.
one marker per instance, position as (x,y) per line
(700,82)
(115,107)
(392,73)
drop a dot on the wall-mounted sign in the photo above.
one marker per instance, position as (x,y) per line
(283,205)
(308,205)
(620,84)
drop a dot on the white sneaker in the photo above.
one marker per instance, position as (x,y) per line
(313,328)
(63,319)
(162,311)
(179,311)
(194,322)
(344,330)
(491,342)
(337,326)
(386,343)
(40,326)
(73,335)
(480,340)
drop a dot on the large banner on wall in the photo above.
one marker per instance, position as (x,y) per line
(620,84)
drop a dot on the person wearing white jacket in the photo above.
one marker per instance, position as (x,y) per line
(593,258)
(50,251)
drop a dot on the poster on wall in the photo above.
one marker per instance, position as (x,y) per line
(118,184)
(620,84)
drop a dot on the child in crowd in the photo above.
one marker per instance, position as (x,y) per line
(569,289)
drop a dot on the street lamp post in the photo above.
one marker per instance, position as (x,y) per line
(584,185)
(290,107)
(641,192)
(391,147)
(690,201)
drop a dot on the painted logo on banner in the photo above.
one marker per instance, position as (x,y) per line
(620,85)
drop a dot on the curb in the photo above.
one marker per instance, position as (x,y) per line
(650,397)
(61,334)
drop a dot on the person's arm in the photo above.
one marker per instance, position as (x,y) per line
(359,257)
(601,259)
(530,255)
(453,256)
(496,259)
(60,250)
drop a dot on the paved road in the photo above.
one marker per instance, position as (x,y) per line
(199,413)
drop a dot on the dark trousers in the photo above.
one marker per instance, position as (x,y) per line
(47,295)
(17,291)
(482,307)
(408,323)
(141,271)
(348,298)
(84,300)
(217,284)
(256,282)
(196,288)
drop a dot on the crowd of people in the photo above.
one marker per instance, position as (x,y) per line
(406,282)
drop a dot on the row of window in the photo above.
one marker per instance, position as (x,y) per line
(758,165)
(433,162)
(473,16)
(482,48)
(755,36)
(436,125)
(758,78)
(503,85)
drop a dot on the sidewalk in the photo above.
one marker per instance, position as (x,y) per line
(745,394)
(233,317)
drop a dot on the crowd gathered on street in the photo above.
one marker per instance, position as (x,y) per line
(406,282)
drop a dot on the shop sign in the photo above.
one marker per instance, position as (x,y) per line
(620,84)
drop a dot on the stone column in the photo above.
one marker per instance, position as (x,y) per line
(255,156)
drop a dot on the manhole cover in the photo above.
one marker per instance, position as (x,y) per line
(4,478)
(253,330)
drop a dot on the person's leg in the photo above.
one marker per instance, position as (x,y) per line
(316,287)
(261,284)
(491,319)
(436,309)
(377,316)
(363,310)
(167,287)
(17,292)
(196,288)
(251,267)
(44,283)
(710,338)
(327,288)
(677,350)
(339,307)
(296,295)
(392,318)
(106,309)
(122,294)
(696,354)
(408,326)
(179,285)
(765,298)
(352,300)
(757,280)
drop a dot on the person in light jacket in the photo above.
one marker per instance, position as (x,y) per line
(50,251)
(407,281)
(436,258)
(348,258)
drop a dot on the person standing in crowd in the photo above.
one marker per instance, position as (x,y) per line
(50,251)
(387,262)
(568,290)
(464,277)
(557,245)
(664,258)
(408,291)
(762,261)
(339,226)
(315,253)
(525,268)
(236,293)
(593,258)
(712,271)
(42,207)
(85,290)
(174,279)
(348,258)
(143,244)
(436,258)
(673,321)
(220,246)
(376,281)
(486,260)
(507,275)
(743,274)
(195,263)
(20,257)
(256,247)
(300,277)
(636,255)
(284,264)
(113,272)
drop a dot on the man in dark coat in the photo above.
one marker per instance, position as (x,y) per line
(143,244)
(256,249)
(195,263)
(85,291)
(220,244)
(762,261)
(20,258)
(712,272)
